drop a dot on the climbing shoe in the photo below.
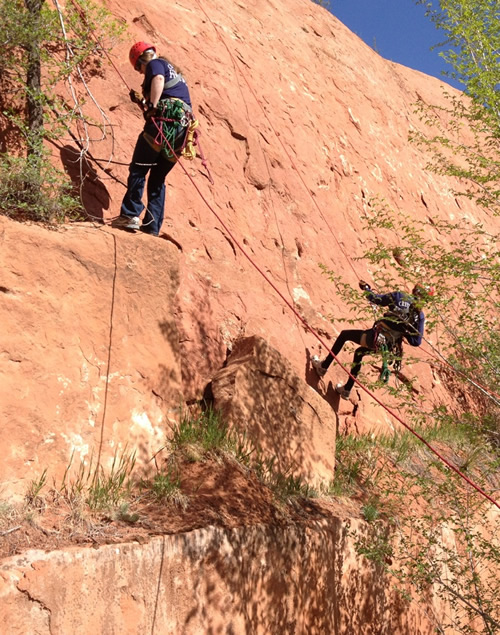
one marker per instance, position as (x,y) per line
(316,364)
(343,392)
(132,223)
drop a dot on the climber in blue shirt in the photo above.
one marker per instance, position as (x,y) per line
(404,319)
(163,85)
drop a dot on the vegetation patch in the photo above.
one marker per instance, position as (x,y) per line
(46,53)
(207,473)
(431,531)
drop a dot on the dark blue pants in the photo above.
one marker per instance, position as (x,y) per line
(145,159)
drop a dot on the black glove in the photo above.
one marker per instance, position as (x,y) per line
(364,286)
(136,98)
(150,112)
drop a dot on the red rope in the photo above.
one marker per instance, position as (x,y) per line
(290,306)
(488,391)
(313,332)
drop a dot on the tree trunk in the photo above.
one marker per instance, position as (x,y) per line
(34,83)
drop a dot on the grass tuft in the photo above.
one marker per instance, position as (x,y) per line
(284,485)
(96,488)
(207,433)
(33,494)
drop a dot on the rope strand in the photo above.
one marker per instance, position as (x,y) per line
(317,336)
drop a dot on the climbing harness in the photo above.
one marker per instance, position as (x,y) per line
(172,119)
(389,344)
(177,131)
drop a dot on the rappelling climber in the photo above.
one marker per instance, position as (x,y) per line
(167,110)
(404,319)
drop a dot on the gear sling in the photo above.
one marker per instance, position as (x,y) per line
(176,127)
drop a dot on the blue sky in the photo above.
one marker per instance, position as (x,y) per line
(398,30)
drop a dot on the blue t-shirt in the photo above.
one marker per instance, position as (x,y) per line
(400,304)
(162,67)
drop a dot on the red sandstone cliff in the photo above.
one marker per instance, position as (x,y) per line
(302,123)
(342,114)
(105,333)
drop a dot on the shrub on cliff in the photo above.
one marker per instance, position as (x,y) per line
(436,538)
(42,49)
(34,190)
(472,32)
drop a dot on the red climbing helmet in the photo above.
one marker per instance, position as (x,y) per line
(422,290)
(137,50)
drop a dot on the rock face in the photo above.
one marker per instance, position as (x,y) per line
(89,348)
(302,124)
(104,334)
(90,365)
(300,579)
(260,394)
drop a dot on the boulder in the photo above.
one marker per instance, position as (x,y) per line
(261,394)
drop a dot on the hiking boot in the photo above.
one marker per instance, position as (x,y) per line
(132,223)
(316,364)
(343,392)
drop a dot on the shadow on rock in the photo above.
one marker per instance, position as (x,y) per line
(86,183)
(261,394)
